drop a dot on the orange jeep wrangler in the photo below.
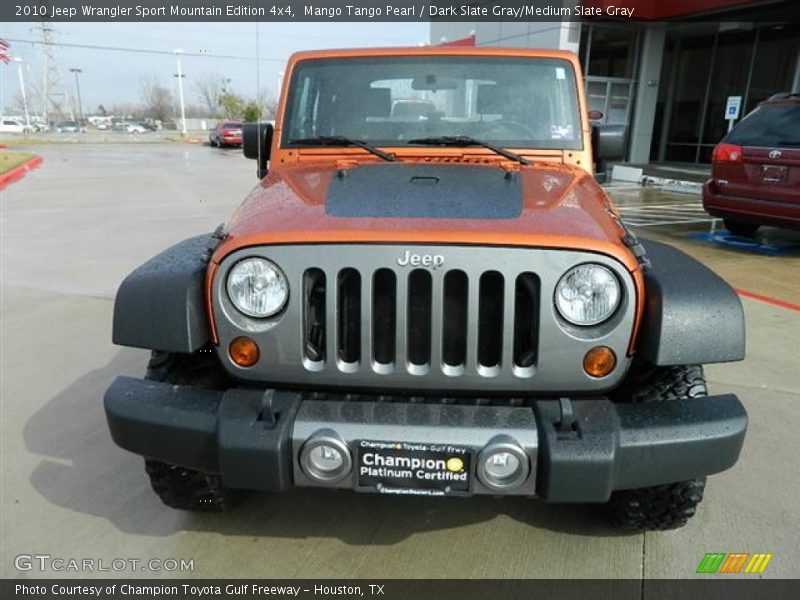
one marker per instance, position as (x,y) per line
(435,302)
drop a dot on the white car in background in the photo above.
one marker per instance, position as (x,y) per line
(12,125)
(136,128)
(67,127)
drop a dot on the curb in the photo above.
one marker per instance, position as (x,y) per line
(19,172)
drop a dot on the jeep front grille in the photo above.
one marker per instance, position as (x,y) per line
(363,317)
(419,320)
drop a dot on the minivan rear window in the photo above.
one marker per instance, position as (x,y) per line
(769,125)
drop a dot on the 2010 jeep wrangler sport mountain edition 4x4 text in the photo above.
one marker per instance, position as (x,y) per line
(428,293)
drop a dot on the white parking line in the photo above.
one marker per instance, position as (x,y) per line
(634,223)
(661,215)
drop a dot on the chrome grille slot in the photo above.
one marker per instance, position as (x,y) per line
(348,313)
(526,322)
(420,288)
(490,321)
(454,319)
(314,315)
(384,316)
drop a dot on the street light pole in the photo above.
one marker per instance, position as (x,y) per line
(18,60)
(180,91)
(78,86)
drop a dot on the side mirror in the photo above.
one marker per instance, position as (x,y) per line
(609,143)
(257,144)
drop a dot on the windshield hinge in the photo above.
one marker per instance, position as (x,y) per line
(635,246)
(511,167)
(220,233)
(631,241)
(343,165)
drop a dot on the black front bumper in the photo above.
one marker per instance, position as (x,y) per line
(587,447)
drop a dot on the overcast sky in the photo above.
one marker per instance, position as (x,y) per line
(111,77)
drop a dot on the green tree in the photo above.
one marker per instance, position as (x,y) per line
(251,112)
(232,105)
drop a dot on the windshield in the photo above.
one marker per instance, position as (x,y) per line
(387,101)
(768,125)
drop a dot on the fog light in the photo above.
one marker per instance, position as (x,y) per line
(244,351)
(325,458)
(599,361)
(503,465)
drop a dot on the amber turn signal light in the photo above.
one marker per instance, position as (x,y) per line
(244,351)
(599,361)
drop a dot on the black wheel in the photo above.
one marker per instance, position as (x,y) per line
(657,508)
(187,489)
(211,142)
(180,487)
(740,227)
(671,505)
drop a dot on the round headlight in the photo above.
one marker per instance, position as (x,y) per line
(257,287)
(587,294)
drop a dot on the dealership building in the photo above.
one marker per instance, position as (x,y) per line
(669,76)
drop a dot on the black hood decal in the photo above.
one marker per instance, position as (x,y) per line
(425,191)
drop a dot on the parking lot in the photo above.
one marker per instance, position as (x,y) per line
(71,231)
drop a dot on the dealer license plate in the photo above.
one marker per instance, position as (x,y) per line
(413,468)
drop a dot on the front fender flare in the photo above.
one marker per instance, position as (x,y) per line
(691,315)
(160,305)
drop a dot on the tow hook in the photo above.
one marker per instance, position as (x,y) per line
(566,426)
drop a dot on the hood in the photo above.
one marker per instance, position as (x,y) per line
(543,205)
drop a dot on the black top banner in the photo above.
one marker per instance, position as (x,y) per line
(395,10)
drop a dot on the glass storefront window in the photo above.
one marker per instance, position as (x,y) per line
(728,78)
(612,52)
(700,72)
(776,59)
(693,64)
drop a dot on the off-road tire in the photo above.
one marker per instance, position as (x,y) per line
(741,228)
(201,369)
(180,487)
(657,508)
(187,489)
(671,505)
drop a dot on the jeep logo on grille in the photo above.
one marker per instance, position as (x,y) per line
(430,261)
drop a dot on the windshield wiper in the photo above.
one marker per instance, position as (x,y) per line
(340,140)
(465,140)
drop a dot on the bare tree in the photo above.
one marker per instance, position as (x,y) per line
(156,99)
(268,104)
(17,104)
(209,88)
(122,109)
(196,111)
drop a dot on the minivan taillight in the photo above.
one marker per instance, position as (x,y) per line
(727,153)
